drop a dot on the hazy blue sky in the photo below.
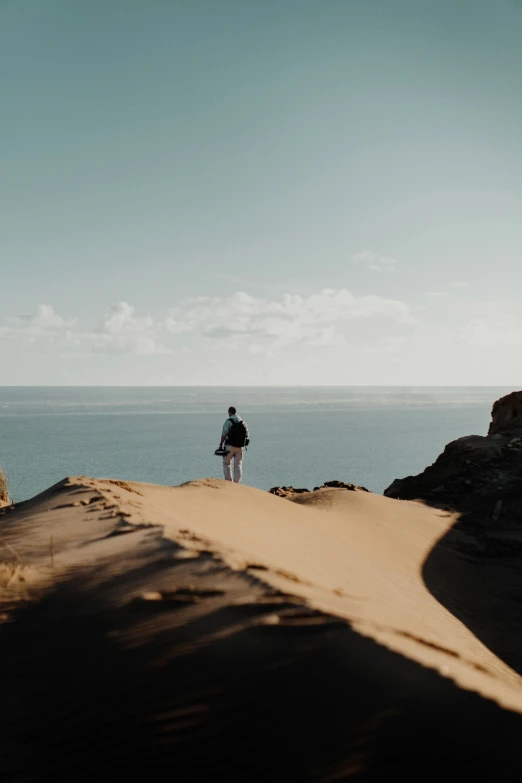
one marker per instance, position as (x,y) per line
(260,191)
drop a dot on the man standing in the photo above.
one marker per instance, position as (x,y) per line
(234,438)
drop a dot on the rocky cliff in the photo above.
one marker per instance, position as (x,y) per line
(480,476)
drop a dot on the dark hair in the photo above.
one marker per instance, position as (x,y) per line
(232,411)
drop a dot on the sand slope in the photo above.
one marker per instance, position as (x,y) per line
(224,633)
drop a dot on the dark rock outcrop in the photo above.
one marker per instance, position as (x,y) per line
(288,492)
(506,415)
(284,492)
(479,476)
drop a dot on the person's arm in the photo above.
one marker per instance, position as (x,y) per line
(226,430)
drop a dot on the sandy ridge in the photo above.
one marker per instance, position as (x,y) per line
(352,555)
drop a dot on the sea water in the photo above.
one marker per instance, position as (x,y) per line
(301,436)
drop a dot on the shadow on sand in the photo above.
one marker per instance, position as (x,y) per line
(476,574)
(94,688)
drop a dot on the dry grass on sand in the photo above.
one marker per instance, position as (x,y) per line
(4,489)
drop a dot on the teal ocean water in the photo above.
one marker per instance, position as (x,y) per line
(300,436)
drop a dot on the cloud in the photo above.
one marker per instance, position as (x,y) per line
(375,262)
(476,332)
(45,321)
(121,320)
(45,317)
(317,319)
(121,331)
(172,326)
(492,325)
(45,325)
(260,326)
(458,284)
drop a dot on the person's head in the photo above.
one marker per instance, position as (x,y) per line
(232,411)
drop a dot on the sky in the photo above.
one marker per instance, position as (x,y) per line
(260,192)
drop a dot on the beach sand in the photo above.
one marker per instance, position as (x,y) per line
(217,632)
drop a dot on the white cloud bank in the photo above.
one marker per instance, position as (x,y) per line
(317,319)
(320,319)
(119,332)
(329,337)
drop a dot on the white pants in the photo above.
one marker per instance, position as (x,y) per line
(234,453)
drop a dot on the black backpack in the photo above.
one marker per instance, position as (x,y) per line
(238,434)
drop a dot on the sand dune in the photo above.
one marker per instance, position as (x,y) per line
(223,633)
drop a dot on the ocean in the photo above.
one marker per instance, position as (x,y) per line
(301,436)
